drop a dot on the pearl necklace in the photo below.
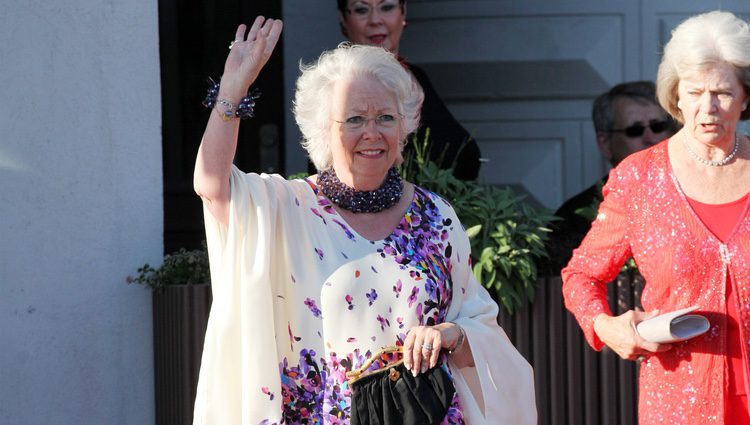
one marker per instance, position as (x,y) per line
(710,162)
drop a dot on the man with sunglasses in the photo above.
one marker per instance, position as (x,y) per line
(627,119)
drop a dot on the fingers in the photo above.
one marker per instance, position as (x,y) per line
(620,334)
(273,35)
(640,316)
(641,348)
(413,350)
(422,349)
(435,353)
(407,349)
(239,35)
(255,28)
(646,346)
(265,36)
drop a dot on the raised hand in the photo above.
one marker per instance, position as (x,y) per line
(249,53)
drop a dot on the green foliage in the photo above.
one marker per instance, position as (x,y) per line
(300,175)
(589,212)
(507,235)
(179,268)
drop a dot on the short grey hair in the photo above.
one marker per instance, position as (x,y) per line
(700,41)
(602,110)
(312,100)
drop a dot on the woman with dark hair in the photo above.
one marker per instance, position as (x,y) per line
(381,23)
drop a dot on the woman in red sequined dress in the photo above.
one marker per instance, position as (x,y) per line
(680,209)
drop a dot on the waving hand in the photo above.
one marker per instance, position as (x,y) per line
(249,53)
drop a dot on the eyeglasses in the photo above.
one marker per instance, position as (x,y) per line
(357,122)
(364,10)
(637,130)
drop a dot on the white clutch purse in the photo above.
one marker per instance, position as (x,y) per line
(674,326)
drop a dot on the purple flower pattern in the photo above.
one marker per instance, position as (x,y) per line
(346,230)
(397,288)
(383,322)
(310,303)
(315,391)
(421,243)
(371,296)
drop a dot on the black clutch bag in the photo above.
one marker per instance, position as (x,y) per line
(393,396)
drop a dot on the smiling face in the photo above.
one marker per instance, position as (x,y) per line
(362,156)
(711,101)
(374,22)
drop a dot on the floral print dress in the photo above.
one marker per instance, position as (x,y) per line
(314,300)
(355,296)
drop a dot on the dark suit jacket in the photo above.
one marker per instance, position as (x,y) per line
(568,233)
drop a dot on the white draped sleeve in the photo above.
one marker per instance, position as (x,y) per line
(233,385)
(505,378)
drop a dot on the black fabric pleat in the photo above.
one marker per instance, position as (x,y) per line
(409,400)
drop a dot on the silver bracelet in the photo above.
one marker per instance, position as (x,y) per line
(228,113)
(460,341)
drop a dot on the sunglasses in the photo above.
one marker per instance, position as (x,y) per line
(637,130)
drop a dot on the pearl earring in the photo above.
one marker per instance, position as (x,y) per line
(679,104)
(744,106)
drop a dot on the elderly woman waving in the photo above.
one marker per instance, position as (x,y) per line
(680,209)
(313,279)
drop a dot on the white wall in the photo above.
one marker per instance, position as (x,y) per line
(80,209)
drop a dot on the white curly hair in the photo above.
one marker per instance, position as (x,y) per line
(312,100)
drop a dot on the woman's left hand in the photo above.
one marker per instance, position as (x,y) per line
(423,344)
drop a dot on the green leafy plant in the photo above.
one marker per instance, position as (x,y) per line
(183,267)
(507,235)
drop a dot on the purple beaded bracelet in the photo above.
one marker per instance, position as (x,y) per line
(244,109)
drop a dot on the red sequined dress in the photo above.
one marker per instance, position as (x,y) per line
(646,215)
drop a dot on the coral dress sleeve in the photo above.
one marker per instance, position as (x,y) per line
(599,258)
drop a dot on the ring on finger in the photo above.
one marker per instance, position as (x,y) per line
(427,346)
(231,44)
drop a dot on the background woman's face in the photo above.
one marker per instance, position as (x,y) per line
(711,101)
(374,22)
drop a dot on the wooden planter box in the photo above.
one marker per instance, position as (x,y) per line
(180,319)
